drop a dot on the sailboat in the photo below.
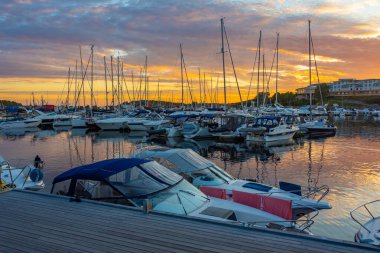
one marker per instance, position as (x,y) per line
(319,128)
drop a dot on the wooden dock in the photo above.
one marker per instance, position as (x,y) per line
(37,222)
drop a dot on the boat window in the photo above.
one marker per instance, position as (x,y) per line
(135,182)
(166,163)
(207,177)
(62,188)
(259,187)
(221,173)
(161,173)
(183,198)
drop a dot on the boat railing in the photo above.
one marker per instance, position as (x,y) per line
(301,225)
(25,171)
(369,212)
(321,191)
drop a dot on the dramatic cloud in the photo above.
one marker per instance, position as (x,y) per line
(40,39)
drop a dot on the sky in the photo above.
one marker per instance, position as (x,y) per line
(41,39)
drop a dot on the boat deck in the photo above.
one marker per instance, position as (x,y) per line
(37,222)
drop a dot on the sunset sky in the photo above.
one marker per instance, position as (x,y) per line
(40,39)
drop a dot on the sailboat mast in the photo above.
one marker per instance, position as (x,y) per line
(146,80)
(76,84)
(83,76)
(68,90)
(92,78)
(224,67)
(278,39)
(158,93)
(263,79)
(311,116)
(118,83)
(204,89)
(180,48)
(105,79)
(258,75)
(200,87)
(113,87)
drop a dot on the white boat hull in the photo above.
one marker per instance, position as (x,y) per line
(112,126)
(79,123)
(175,132)
(20,124)
(62,123)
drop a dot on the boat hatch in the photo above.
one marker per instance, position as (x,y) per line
(289,187)
(256,186)
(220,212)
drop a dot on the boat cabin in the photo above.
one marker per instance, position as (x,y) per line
(130,182)
(267,121)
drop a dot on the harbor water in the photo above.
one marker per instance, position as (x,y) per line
(349,163)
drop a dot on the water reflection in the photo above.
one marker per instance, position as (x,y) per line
(347,163)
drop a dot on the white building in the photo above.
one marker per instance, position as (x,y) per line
(304,92)
(353,87)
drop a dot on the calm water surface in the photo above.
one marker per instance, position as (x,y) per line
(348,163)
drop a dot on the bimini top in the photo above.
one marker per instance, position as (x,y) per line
(100,170)
(185,160)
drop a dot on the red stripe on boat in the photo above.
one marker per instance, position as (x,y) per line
(214,192)
(279,207)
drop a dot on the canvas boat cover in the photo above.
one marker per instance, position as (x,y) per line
(100,170)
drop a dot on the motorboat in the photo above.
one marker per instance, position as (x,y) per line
(202,128)
(151,122)
(147,185)
(321,128)
(120,122)
(232,127)
(47,119)
(197,130)
(271,128)
(63,122)
(202,172)
(115,123)
(79,122)
(25,178)
(176,129)
(20,123)
(369,231)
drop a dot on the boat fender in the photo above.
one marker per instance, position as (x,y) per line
(36,175)
(3,185)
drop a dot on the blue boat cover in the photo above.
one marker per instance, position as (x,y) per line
(100,170)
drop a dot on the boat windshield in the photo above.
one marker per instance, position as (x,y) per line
(151,177)
(182,198)
(210,176)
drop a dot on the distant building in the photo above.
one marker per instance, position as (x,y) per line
(304,93)
(345,87)
(353,87)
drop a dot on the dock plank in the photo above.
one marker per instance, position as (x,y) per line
(45,223)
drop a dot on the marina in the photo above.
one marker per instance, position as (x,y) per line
(37,222)
(334,161)
(169,126)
